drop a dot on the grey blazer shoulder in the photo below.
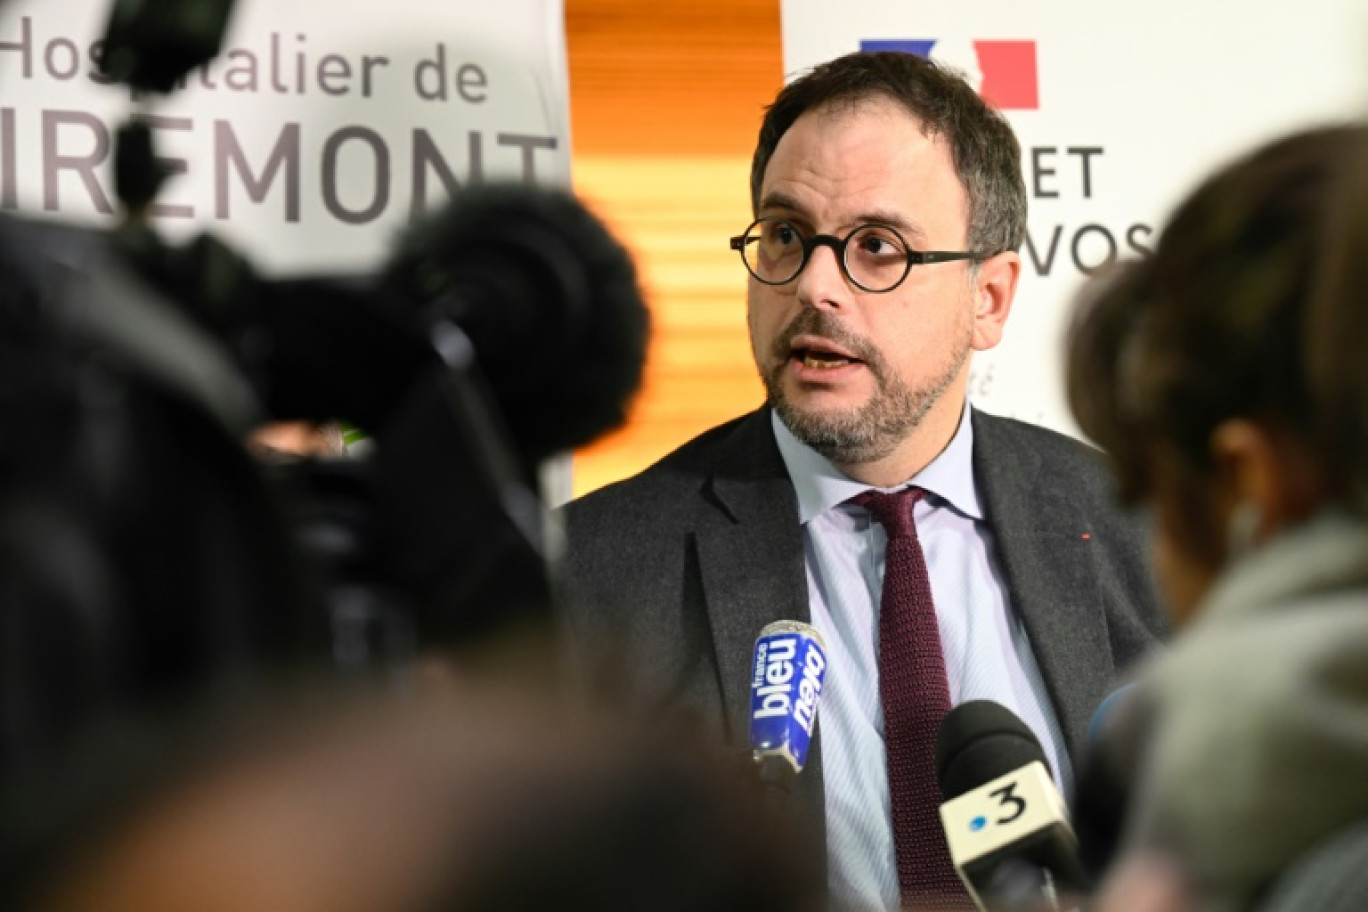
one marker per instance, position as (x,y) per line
(1330,877)
(673,572)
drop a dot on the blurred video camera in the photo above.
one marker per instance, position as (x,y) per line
(146,551)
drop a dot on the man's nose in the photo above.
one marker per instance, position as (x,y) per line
(822,283)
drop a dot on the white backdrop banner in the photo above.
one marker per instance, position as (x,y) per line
(1121,108)
(319,130)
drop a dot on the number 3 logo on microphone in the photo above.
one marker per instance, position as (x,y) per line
(1007,797)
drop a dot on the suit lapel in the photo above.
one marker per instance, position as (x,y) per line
(1045,547)
(750,555)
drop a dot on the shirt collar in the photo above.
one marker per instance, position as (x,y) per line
(821,486)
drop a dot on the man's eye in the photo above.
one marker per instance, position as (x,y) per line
(876,244)
(785,235)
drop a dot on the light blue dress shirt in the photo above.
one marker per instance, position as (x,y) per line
(987,656)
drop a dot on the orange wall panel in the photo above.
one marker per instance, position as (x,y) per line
(665,104)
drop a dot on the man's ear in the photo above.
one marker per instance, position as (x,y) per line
(994,288)
(1268,468)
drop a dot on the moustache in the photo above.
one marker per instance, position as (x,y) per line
(818,323)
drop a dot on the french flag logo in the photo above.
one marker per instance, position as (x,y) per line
(1003,72)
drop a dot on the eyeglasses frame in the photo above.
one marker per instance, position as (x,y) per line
(839,245)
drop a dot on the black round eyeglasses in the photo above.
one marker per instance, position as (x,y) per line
(875,258)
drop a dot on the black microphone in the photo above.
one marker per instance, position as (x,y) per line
(786,684)
(1006,824)
(1117,735)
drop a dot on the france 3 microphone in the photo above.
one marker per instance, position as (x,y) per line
(1005,822)
(786,684)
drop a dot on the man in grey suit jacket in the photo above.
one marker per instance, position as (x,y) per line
(889,207)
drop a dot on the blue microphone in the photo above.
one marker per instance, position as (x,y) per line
(786,684)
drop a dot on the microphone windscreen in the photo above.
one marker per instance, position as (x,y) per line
(977,742)
(550,303)
(1114,707)
(1118,738)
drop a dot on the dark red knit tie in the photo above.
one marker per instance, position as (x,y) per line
(916,697)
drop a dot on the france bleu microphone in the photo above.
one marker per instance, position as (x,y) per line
(786,684)
(1006,824)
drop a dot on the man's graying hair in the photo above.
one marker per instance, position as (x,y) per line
(985,151)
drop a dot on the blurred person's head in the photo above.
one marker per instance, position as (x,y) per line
(1225,374)
(453,799)
(914,185)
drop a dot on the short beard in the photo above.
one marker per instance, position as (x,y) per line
(872,431)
